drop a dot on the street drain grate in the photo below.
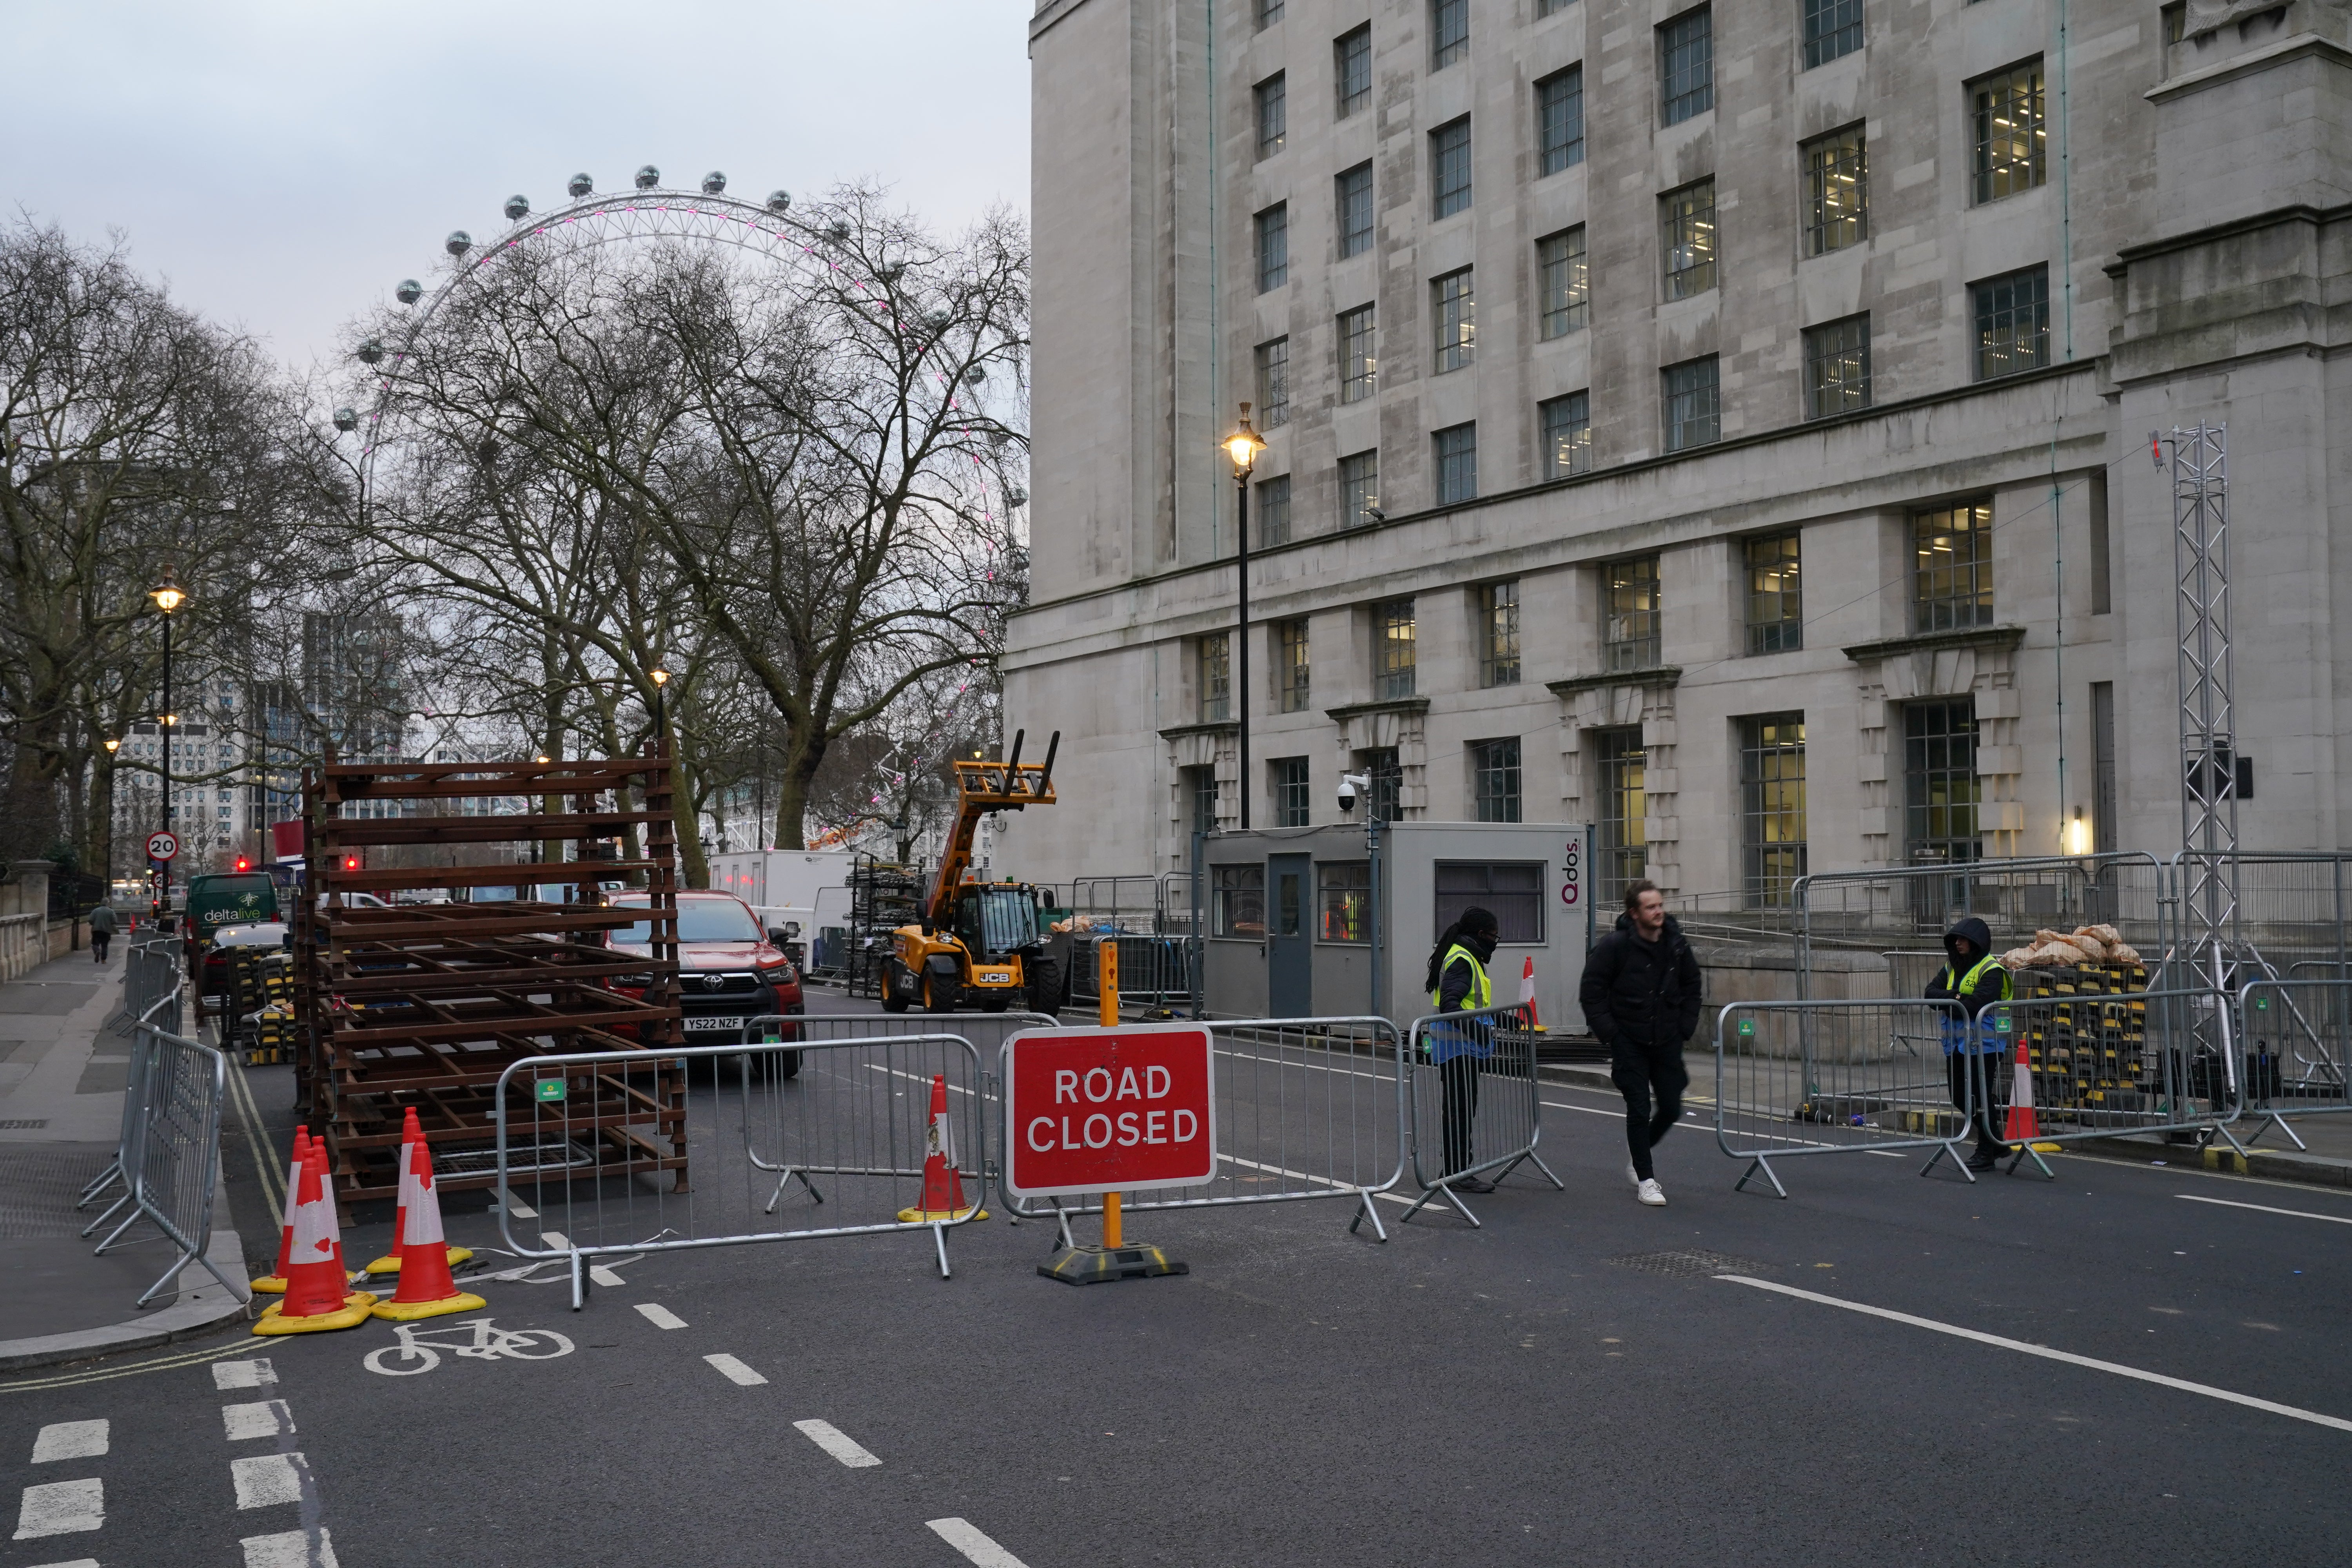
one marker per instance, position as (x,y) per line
(1688,1265)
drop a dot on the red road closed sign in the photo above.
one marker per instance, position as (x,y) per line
(1107,1110)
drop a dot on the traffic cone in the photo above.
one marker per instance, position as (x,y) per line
(410,1132)
(274,1282)
(942,1184)
(425,1288)
(2023,1127)
(317,1297)
(1528,992)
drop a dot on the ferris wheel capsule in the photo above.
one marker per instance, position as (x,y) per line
(409,292)
(975,375)
(580,185)
(518,208)
(371,352)
(778,200)
(714,183)
(346,420)
(837,232)
(459,243)
(1016,496)
(648,177)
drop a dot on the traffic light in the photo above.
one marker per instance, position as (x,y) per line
(245,862)
(350,862)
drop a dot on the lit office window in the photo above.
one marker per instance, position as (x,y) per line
(1686,228)
(1772,805)
(1453,308)
(1393,650)
(1775,606)
(1564,283)
(1837,367)
(2008,134)
(1295,669)
(1498,634)
(2012,323)
(1360,360)
(1621,826)
(1837,191)
(1952,567)
(1632,639)
(1567,434)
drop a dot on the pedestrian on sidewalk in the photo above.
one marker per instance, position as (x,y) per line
(101,930)
(1641,994)
(1458,983)
(1977,980)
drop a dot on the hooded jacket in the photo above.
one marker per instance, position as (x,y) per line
(1992,984)
(1640,993)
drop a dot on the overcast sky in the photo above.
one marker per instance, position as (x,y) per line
(285,163)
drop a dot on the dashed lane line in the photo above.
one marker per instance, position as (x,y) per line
(517,1208)
(734,1370)
(604,1277)
(69,1440)
(76,1563)
(289,1549)
(978,1548)
(836,1442)
(659,1316)
(2265,1208)
(2044,1352)
(554,1241)
(61,1508)
(254,1373)
(264,1418)
(268,1480)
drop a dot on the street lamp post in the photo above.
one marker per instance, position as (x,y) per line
(168,597)
(1242,446)
(661,705)
(112,746)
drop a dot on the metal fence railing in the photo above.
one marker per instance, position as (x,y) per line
(1883,905)
(169,1158)
(1153,970)
(1796,1078)
(151,995)
(1476,1106)
(2102,1064)
(2295,1049)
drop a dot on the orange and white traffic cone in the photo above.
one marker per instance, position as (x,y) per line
(274,1282)
(410,1132)
(425,1288)
(942,1184)
(1528,992)
(2024,1126)
(318,1297)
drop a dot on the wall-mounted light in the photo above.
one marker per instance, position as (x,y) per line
(2078,835)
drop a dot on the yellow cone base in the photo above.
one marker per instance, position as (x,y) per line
(269,1285)
(1104,1264)
(353,1312)
(925,1216)
(390,1262)
(409,1311)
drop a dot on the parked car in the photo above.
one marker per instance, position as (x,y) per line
(729,972)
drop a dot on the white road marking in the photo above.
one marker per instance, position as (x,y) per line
(918,1077)
(60,1508)
(1305,1176)
(735,1371)
(76,1563)
(517,1208)
(554,1241)
(2046,1352)
(268,1418)
(836,1442)
(290,1550)
(604,1275)
(659,1316)
(960,1534)
(2265,1208)
(266,1481)
(254,1373)
(69,1440)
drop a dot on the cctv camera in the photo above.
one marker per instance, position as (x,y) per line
(1348,784)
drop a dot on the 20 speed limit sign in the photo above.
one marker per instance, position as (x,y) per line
(1095,1111)
(163,845)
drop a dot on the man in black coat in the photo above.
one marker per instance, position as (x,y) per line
(1640,996)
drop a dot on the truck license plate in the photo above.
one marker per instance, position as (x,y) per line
(697,1025)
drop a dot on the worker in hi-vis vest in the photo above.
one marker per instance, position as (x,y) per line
(1977,980)
(1458,983)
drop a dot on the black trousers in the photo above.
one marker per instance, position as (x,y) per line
(1459,1075)
(1957,1065)
(1641,1070)
(97,940)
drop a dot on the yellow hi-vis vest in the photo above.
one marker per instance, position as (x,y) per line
(1988,1037)
(1482,987)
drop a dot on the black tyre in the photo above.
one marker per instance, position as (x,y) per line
(1044,986)
(894,993)
(939,997)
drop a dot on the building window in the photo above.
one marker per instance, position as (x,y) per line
(1240,893)
(1456,451)
(1449,32)
(1290,792)
(1566,281)
(1775,606)
(1344,894)
(1360,358)
(1386,775)
(1498,629)
(1837,367)
(1359,488)
(1494,780)
(2012,323)
(1453,306)
(1512,890)
(1686,66)
(1837,191)
(2103,766)
(1201,794)
(1567,434)
(1449,168)
(2007,133)
(1630,589)
(1621,828)
(1268,12)
(1216,678)
(1560,121)
(1273,113)
(1393,650)
(1687,230)
(1274,247)
(1939,779)
(1693,406)
(1832,28)
(2103,569)
(1294,670)
(1952,571)
(1351,70)
(1355,210)
(1772,805)
(1274,383)
(1274,511)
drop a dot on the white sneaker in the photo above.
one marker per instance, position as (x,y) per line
(1651,1193)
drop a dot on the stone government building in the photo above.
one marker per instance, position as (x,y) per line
(1724,423)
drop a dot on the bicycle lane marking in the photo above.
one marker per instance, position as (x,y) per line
(413,1345)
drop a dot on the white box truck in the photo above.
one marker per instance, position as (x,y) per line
(783,885)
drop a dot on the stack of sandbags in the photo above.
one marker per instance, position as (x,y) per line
(2097,944)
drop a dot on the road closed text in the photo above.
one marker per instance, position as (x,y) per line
(1110,1109)
(1124,1124)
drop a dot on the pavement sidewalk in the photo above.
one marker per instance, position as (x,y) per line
(63,1069)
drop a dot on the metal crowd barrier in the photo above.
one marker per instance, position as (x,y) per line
(151,987)
(1475,1104)
(576,1131)
(2295,1042)
(1153,970)
(1307,1109)
(170,1157)
(1865,1076)
(2104,1064)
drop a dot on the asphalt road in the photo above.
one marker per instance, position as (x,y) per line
(1575,1380)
